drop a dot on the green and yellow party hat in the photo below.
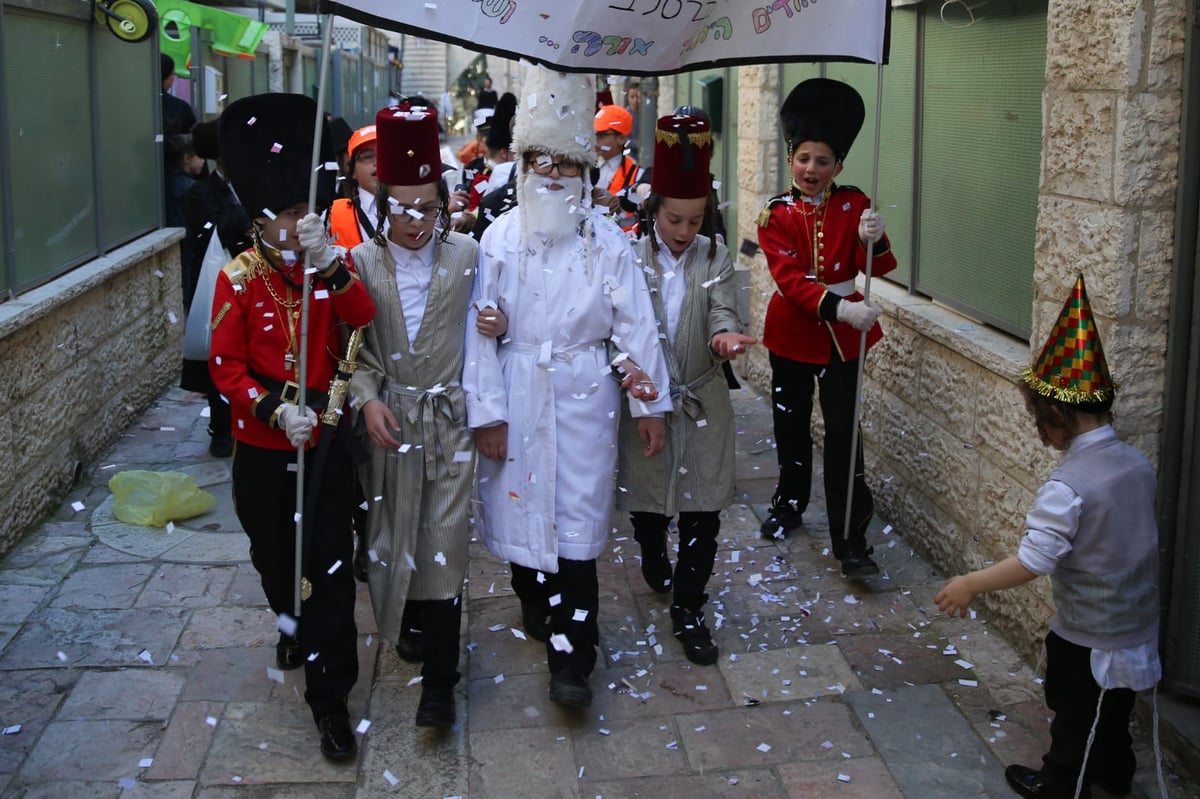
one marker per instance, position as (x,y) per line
(1072,367)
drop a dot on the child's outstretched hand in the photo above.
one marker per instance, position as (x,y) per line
(956,595)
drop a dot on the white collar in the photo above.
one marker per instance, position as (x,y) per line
(423,255)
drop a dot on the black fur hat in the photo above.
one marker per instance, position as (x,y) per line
(822,110)
(266,142)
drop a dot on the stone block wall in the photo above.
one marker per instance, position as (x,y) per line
(83,355)
(952,457)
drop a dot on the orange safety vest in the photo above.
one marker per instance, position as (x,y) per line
(343,224)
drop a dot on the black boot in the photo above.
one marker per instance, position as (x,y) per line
(780,522)
(436,708)
(337,738)
(688,626)
(569,689)
(650,531)
(857,562)
(410,646)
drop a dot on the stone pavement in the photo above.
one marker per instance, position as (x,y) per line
(134,662)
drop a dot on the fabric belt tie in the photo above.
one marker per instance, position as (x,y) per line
(545,355)
(684,397)
(435,411)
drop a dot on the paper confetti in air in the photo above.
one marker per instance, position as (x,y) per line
(337,564)
(286,624)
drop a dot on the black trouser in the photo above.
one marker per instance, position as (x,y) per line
(220,417)
(792,401)
(264,495)
(1072,693)
(697,550)
(438,622)
(572,598)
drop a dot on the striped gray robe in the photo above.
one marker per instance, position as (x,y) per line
(418,500)
(695,470)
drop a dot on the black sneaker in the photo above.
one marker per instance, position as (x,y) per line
(859,564)
(656,565)
(691,631)
(287,653)
(436,708)
(568,689)
(221,446)
(337,739)
(535,620)
(780,522)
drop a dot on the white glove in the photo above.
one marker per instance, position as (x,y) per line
(858,315)
(311,232)
(870,226)
(298,425)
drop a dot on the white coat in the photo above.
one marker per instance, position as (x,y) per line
(549,379)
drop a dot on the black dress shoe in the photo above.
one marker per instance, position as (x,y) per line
(221,446)
(780,522)
(691,631)
(411,647)
(360,563)
(568,689)
(656,565)
(337,739)
(534,620)
(436,708)
(287,653)
(1029,783)
(859,564)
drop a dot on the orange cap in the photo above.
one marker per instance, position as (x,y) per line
(365,135)
(614,117)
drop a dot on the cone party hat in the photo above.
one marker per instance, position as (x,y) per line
(1072,367)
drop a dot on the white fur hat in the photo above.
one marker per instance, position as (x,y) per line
(556,115)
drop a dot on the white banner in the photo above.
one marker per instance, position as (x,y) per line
(640,37)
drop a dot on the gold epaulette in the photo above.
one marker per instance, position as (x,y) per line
(764,216)
(241,268)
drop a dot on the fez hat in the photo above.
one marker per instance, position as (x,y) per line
(499,135)
(1071,367)
(266,142)
(206,141)
(824,110)
(556,115)
(407,151)
(682,153)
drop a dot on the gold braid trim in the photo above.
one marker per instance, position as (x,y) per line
(1071,396)
(671,138)
(221,314)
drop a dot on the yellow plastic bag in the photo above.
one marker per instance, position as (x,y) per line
(152,499)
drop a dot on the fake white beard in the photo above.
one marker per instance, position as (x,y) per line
(551,214)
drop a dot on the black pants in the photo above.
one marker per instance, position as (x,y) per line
(264,495)
(1072,693)
(792,402)
(697,550)
(572,598)
(220,417)
(439,623)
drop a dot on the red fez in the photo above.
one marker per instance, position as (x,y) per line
(682,152)
(407,152)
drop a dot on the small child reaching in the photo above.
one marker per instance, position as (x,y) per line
(1092,529)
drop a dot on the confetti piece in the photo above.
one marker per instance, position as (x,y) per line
(146,762)
(337,564)
(211,721)
(763,748)
(969,683)
(561,644)
(519,634)
(843,778)
(964,664)
(286,624)
(391,778)
(12,729)
(62,656)
(77,506)
(362,727)
(146,656)
(499,678)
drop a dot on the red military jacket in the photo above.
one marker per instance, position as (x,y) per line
(256,338)
(810,248)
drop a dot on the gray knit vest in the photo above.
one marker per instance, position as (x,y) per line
(1106,588)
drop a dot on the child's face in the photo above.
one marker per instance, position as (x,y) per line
(1055,435)
(193,165)
(814,165)
(678,221)
(280,232)
(412,214)
(364,168)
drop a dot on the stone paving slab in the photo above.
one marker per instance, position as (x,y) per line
(927,745)
(734,784)
(124,694)
(96,750)
(848,778)
(94,638)
(503,765)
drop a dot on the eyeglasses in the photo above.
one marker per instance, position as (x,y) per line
(542,165)
(365,157)
(419,216)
